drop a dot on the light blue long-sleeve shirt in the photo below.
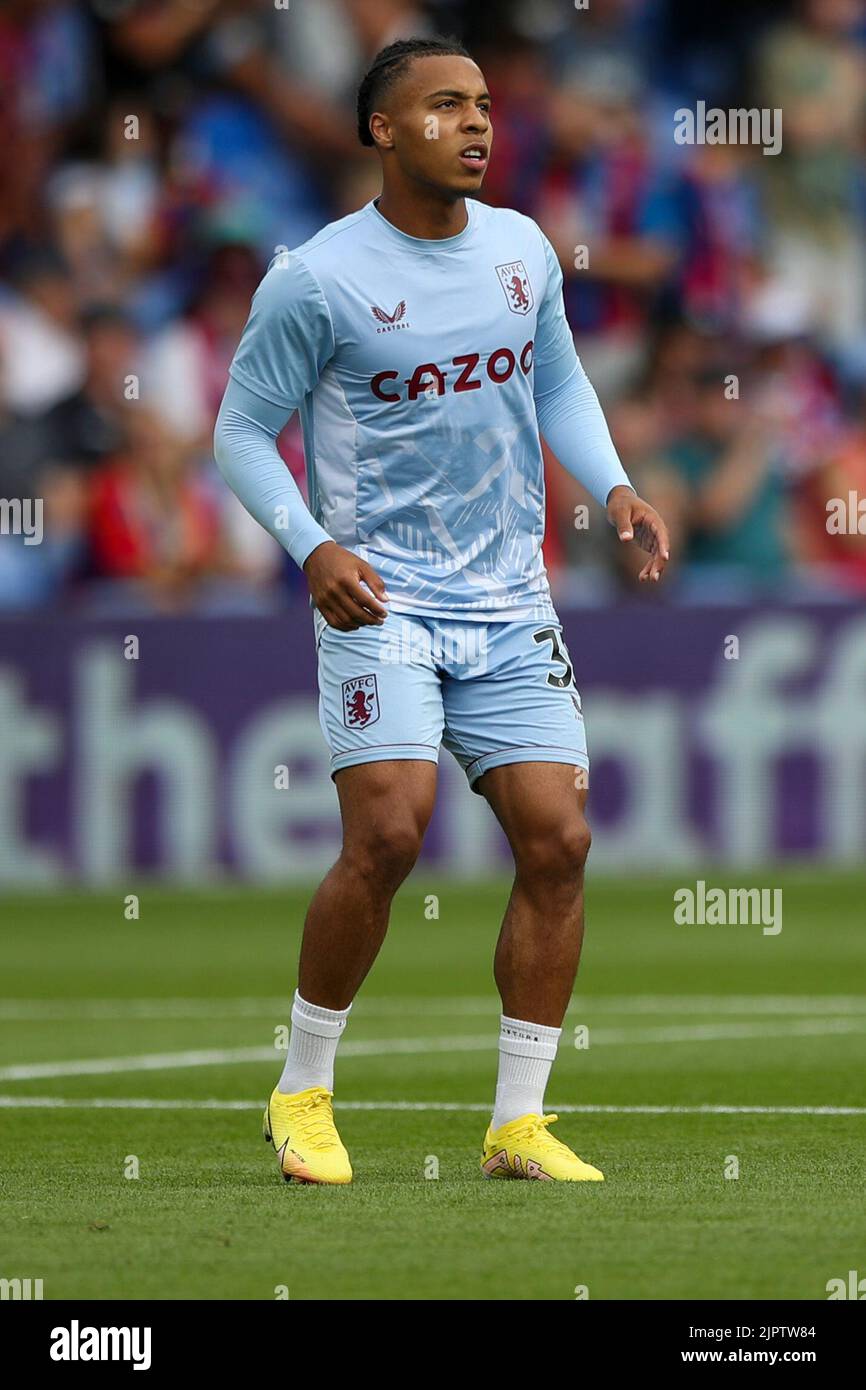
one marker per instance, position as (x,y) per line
(424,372)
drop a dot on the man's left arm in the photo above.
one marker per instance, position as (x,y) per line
(571,419)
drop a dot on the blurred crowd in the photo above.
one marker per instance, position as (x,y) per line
(154,153)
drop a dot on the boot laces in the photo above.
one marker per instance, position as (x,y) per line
(316,1119)
(535,1128)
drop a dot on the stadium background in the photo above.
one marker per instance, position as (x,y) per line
(152,156)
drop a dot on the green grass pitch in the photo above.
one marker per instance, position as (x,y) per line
(156,1037)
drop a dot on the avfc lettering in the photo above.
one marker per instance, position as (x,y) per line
(500,365)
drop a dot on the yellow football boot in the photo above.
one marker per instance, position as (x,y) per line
(524,1149)
(302,1130)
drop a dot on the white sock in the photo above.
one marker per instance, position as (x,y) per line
(526,1053)
(312,1046)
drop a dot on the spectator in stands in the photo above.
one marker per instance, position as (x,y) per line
(734,510)
(832,509)
(600,205)
(153,522)
(87,426)
(811,69)
(154,154)
(41,355)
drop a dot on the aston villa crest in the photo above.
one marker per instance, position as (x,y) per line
(515,282)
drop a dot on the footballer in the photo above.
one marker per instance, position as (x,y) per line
(424,341)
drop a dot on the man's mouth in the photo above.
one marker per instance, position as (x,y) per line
(474,156)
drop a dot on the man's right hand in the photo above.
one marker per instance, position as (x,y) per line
(345,589)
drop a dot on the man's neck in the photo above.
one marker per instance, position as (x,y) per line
(420,215)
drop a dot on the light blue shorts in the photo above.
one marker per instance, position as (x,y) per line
(492,693)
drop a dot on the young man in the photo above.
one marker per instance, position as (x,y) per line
(425,343)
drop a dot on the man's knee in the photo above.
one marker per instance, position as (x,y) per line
(385,808)
(557,856)
(387,849)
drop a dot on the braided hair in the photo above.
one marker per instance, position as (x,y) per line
(391,63)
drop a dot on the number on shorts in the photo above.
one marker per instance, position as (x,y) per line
(559,653)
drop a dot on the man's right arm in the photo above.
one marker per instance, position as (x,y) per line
(245,448)
(287,341)
(283,350)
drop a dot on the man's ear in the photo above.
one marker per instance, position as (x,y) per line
(380,129)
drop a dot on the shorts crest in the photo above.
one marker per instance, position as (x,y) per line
(360,702)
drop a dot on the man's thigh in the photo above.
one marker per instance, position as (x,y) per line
(380,695)
(515,702)
(540,808)
(385,806)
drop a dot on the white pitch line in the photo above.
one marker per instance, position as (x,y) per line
(384,1047)
(721,1032)
(153,1061)
(120,1010)
(723,1003)
(227,1056)
(473,1107)
(629,1004)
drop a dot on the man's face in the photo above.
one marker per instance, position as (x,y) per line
(435,116)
